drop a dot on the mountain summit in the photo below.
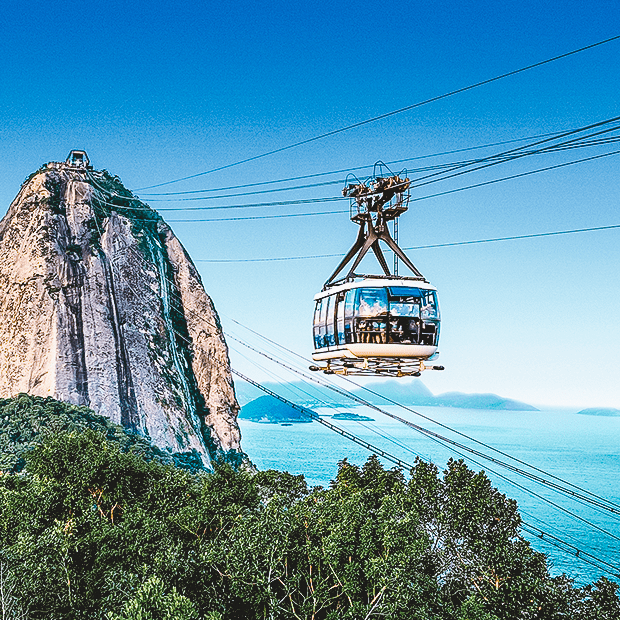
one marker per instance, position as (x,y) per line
(100,305)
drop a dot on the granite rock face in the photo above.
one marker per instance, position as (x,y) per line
(101,306)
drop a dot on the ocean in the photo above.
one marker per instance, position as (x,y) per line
(581,449)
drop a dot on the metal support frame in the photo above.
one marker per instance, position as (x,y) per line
(395,236)
(372,209)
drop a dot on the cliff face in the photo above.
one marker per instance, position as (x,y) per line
(101,306)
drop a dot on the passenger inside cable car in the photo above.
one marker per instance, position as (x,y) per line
(392,314)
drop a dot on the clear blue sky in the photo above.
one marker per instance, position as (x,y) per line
(158,90)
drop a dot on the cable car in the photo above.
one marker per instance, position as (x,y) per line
(376,324)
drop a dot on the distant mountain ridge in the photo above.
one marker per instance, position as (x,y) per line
(480,401)
(403,392)
(269,410)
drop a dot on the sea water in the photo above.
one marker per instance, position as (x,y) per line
(580,449)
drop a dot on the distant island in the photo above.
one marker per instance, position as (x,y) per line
(402,391)
(479,401)
(352,416)
(600,411)
(270,410)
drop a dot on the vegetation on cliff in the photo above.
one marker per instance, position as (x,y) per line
(26,421)
(94,526)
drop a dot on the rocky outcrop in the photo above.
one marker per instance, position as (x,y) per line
(101,306)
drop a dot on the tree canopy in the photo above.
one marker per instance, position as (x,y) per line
(90,528)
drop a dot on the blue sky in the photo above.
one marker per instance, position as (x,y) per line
(156,91)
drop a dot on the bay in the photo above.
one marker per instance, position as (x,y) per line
(580,449)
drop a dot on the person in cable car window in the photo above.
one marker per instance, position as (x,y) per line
(372,304)
(414,330)
(396,331)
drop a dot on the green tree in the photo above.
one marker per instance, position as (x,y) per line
(152,603)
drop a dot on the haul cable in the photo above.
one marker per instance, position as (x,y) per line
(389,114)
(416,199)
(440,170)
(343,170)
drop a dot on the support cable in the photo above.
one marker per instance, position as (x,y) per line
(593,498)
(346,170)
(389,114)
(416,199)
(441,441)
(585,556)
(330,405)
(513,176)
(440,170)
(517,153)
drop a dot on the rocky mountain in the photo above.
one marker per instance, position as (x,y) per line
(101,306)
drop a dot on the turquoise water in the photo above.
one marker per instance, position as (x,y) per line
(580,449)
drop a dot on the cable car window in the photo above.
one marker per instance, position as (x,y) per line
(340,318)
(320,337)
(405,291)
(317,313)
(349,313)
(323,311)
(319,326)
(330,337)
(405,301)
(405,306)
(372,302)
(349,304)
(430,308)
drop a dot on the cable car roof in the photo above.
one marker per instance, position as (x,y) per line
(376,282)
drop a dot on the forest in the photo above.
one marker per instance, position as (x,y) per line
(96,523)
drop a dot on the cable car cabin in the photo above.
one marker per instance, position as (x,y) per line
(377,326)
